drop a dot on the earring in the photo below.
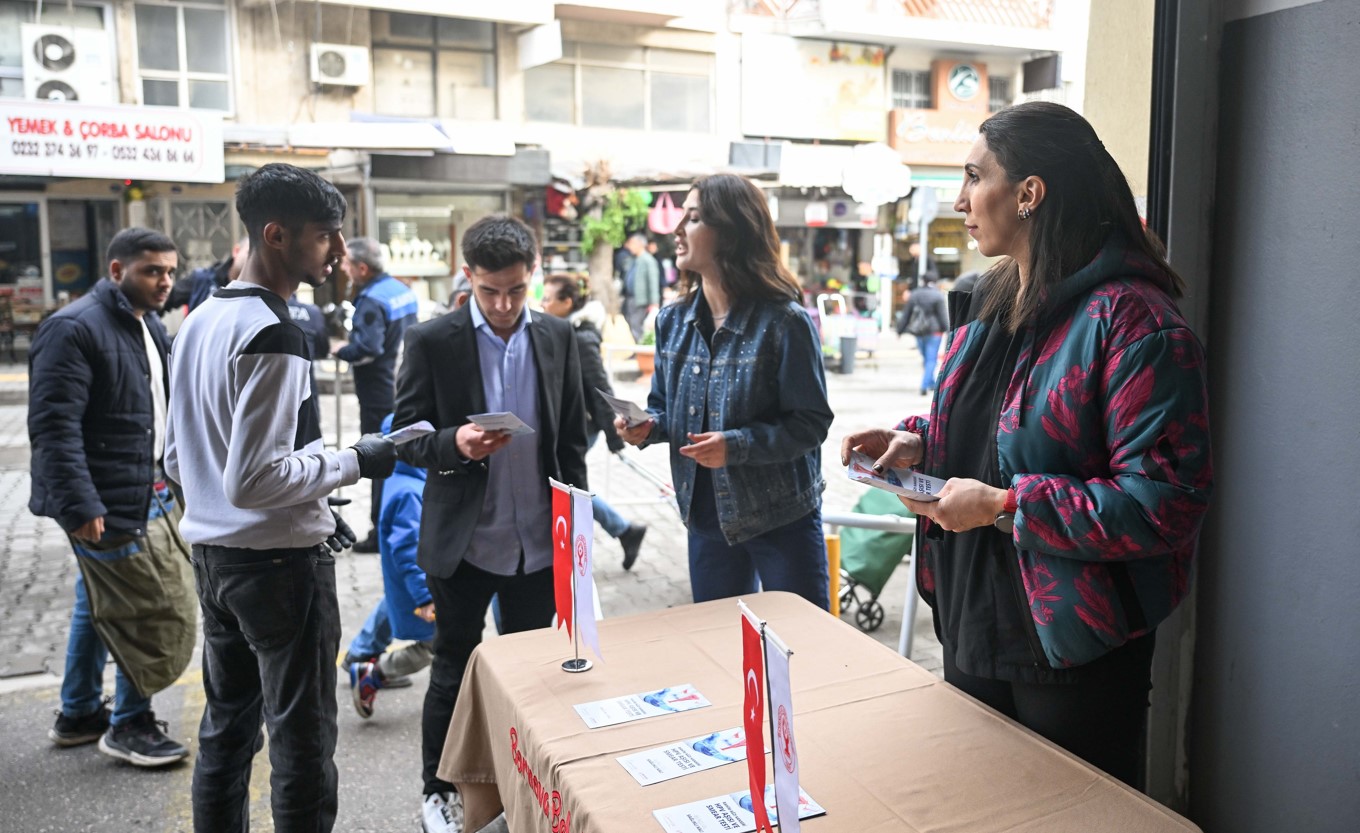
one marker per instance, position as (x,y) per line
(1023,214)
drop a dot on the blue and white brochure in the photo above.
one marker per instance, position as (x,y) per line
(694,755)
(728,813)
(905,482)
(678,698)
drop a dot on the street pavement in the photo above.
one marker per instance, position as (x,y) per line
(44,788)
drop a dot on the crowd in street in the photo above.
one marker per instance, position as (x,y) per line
(1069,420)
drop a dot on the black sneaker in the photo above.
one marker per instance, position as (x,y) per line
(74,731)
(631,540)
(388,682)
(142,742)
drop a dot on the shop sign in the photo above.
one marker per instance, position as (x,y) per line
(816,214)
(824,90)
(933,137)
(161,144)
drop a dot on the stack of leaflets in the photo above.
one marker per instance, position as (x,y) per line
(903,482)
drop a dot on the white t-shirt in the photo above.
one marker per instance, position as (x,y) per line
(153,360)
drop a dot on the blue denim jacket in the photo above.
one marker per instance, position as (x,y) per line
(763,386)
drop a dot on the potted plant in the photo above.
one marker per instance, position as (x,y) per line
(646,354)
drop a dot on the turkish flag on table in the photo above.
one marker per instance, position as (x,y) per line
(562,561)
(753,714)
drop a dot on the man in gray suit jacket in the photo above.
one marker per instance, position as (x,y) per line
(487,523)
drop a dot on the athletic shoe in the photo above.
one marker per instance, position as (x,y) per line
(631,541)
(442,813)
(142,742)
(364,681)
(75,731)
(388,682)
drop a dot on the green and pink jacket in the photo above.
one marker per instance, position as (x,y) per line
(1104,435)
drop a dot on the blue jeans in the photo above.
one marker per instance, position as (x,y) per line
(614,524)
(82,687)
(376,634)
(791,557)
(930,352)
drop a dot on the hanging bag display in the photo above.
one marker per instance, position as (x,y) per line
(665,215)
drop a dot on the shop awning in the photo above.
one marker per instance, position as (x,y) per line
(525,12)
(812,166)
(378,136)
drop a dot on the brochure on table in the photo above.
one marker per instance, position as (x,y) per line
(694,755)
(615,710)
(903,482)
(501,421)
(729,813)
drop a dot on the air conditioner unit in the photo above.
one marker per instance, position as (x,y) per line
(340,64)
(66,63)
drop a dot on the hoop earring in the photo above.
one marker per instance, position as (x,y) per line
(1023,214)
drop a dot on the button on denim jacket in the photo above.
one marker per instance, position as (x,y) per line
(763,386)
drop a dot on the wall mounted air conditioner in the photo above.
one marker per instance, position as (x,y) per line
(340,65)
(66,63)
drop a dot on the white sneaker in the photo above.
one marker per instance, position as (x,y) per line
(442,813)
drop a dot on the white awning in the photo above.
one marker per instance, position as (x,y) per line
(812,166)
(525,12)
(394,136)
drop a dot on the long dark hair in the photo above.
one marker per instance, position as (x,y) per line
(748,245)
(1087,198)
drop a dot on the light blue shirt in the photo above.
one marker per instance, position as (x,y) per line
(517,513)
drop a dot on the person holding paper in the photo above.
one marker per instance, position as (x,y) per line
(739,392)
(562,297)
(1072,426)
(487,523)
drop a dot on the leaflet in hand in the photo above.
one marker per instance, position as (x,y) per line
(410,432)
(501,421)
(694,755)
(679,698)
(903,482)
(730,813)
(627,410)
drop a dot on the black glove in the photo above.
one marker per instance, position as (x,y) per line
(343,537)
(377,456)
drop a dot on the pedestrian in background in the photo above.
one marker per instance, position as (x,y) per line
(1072,427)
(487,524)
(383,308)
(739,392)
(244,440)
(926,317)
(641,285)
(96,424)
(407,605)
(562,297)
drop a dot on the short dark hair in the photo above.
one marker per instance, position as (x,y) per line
(566,288)
(497,242)
(286,194)
(130,243)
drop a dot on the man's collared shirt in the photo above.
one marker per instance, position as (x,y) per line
(516,514)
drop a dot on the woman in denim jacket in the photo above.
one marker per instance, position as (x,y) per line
(740,394)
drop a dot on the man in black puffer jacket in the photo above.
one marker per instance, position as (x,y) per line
(96,422)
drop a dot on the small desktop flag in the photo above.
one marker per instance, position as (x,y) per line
(753,713)
(781,717)
(562,560)
(582,561)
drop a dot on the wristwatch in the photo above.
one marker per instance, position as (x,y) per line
(1005,519)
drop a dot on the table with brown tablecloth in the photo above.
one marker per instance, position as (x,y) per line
(883,744)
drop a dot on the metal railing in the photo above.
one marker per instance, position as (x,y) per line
(888,523)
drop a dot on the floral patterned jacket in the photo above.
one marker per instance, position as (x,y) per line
(1104,435)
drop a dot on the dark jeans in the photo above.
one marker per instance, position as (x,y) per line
(1100,719)
(460,603)
(791,557)
(271,631)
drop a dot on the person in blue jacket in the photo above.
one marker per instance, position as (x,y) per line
(409,607)
(383,308)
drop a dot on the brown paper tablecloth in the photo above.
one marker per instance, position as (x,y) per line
(883,745)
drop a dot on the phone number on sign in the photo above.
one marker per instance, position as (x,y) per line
(78,150)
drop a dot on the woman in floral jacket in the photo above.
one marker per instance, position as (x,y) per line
(1072,426)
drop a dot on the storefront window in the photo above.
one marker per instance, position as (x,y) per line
(203,230)
(420,234)
(428,67)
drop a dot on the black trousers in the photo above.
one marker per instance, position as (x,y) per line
(271,632)
(1101,719)
(460,603)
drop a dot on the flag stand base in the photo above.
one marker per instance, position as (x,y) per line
(576,666)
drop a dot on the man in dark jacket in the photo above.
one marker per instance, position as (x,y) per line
(926,316)
(383,308)
(200,284)
(96,422)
